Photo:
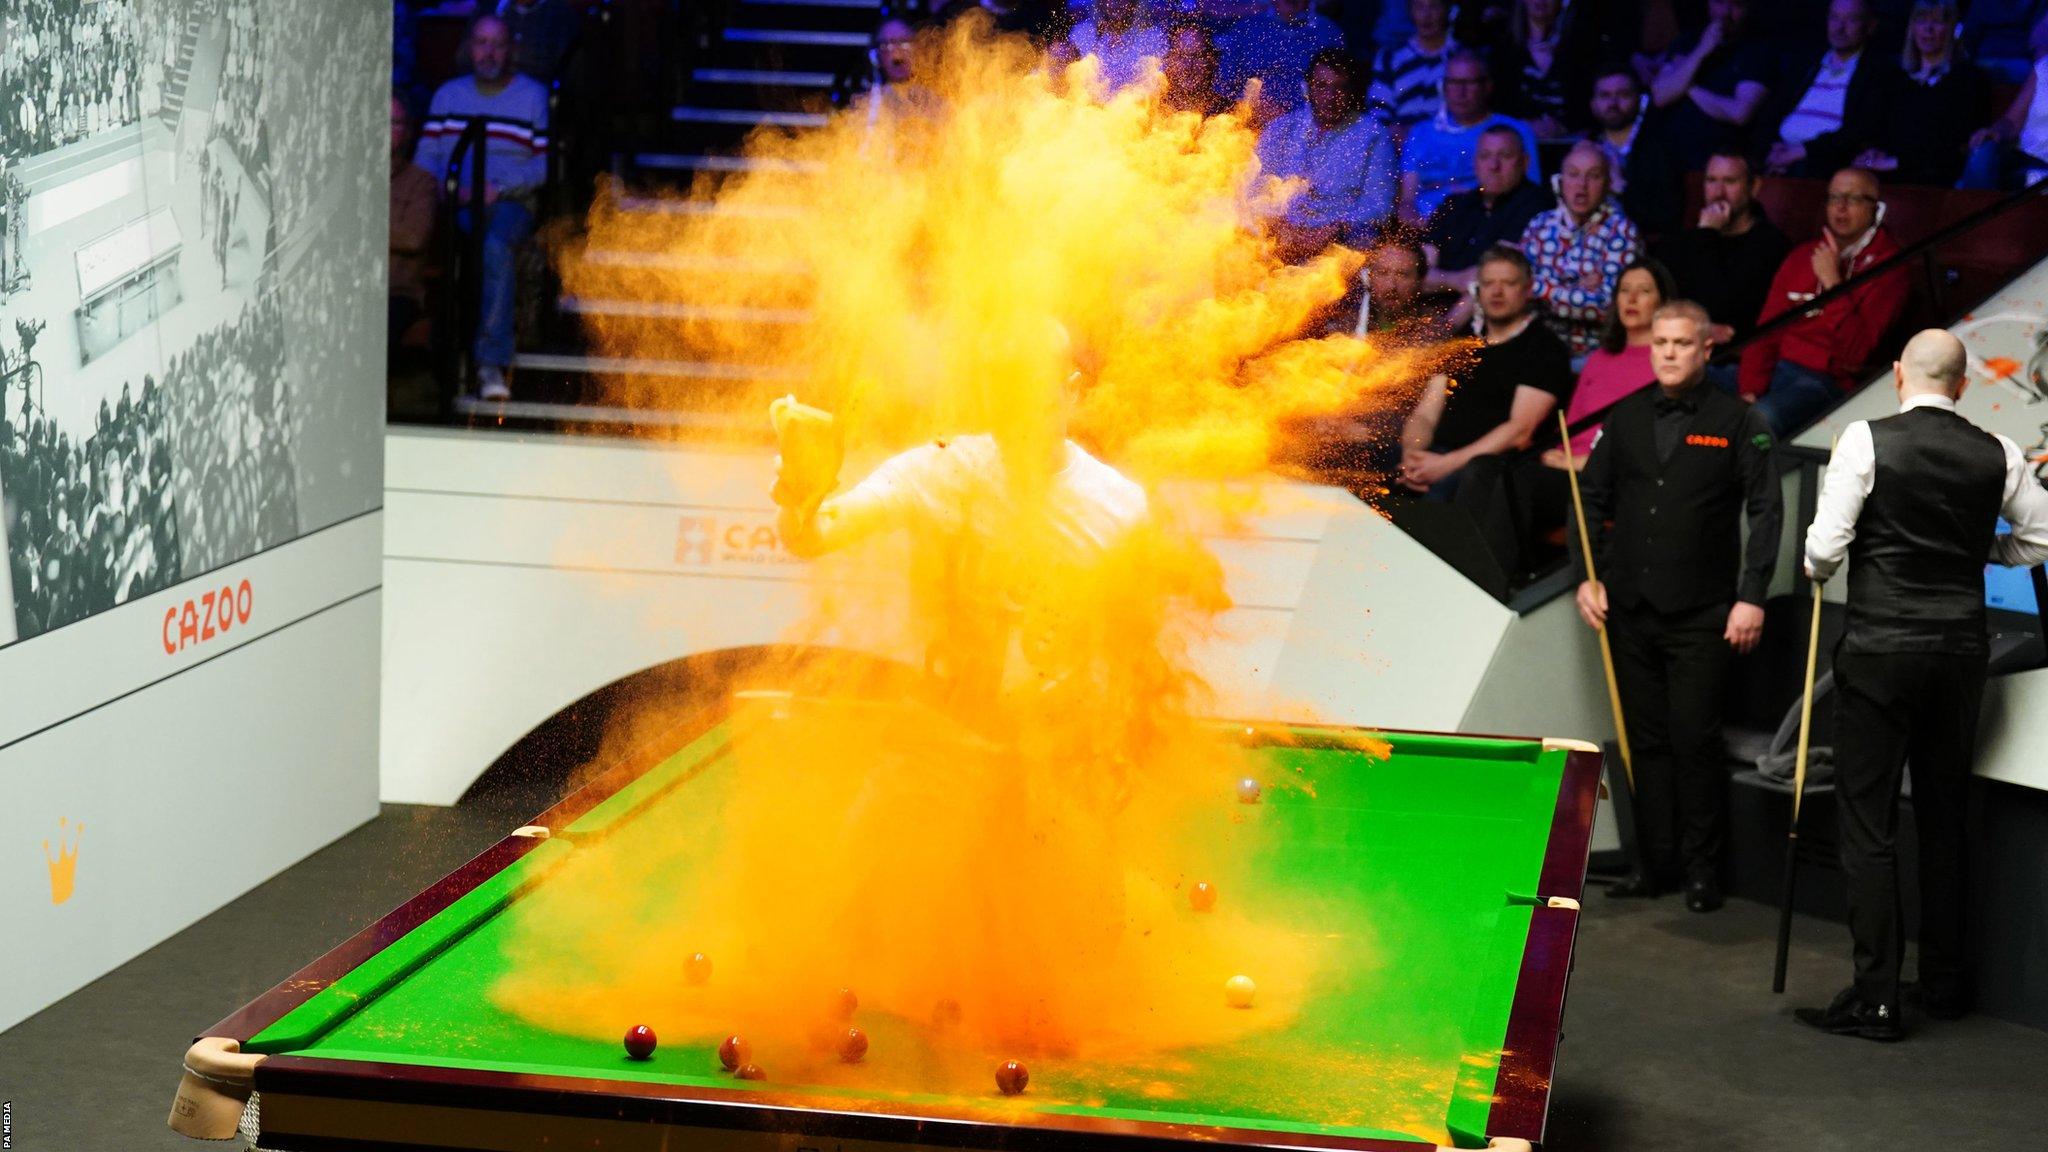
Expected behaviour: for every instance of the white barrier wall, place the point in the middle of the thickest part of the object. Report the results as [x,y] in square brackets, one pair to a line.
[525,572]
[192,323]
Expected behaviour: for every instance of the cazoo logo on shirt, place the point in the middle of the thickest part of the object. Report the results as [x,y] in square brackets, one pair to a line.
[702,540]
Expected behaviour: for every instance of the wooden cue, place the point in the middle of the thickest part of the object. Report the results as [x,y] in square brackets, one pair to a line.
[1571,472]
[1798,794]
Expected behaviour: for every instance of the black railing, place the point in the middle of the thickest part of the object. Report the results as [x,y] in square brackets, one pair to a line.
[462,253]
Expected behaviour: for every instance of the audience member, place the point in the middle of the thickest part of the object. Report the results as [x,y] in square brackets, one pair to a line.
[1394,309]
[1795,372]
[1500,402]
[1190,69]
[515,157]
[1120,40]
[2001,36]
[1579,249]
[1646,178]
[1274,47]
[2012,151]
[1676,474]
[1935,89]
[1828,119]
[1517,514]
[69,70]
[413,193]
[1437,159]
[1498,211]
[544,32]
[1711,85]
[1344,157]
[1408,79]
[1726,261]
[1538,65]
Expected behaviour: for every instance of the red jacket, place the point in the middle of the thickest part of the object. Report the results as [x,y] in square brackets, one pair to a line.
[1841,338]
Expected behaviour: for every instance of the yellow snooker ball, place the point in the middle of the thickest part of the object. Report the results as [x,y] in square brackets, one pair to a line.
[1238,991]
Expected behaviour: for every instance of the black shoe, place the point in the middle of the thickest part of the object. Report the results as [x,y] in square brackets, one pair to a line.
[1703,896]
[1851,1015]
[1949,1005]
[1634,886]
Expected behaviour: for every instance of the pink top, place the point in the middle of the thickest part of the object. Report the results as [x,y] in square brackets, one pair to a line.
[1607,377]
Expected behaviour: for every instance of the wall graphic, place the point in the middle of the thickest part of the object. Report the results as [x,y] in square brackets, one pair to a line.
[191,239]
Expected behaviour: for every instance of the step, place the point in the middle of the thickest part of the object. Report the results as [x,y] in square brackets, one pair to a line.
[557,413]
[669,310]
[869,5]
[690,262]
[686,162]
[763,77]
[683,206]
[637,366]
[750,116]
[804,37]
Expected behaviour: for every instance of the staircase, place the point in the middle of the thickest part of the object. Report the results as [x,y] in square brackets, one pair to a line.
[777,63]
[178,82]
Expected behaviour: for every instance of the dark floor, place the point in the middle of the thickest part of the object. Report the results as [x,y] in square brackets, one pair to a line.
[1672,1039]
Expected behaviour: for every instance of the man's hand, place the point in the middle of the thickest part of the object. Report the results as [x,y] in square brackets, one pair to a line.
[1784,155]
[1593,603]
[1715,214]
[1422,469]
[1745,627]
[1827,267]
[1721,334]
[1994,133]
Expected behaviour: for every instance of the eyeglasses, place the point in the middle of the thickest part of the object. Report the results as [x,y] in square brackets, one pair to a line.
[1835,198]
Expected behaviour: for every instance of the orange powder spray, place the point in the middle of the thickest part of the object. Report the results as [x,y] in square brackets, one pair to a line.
[1007,250]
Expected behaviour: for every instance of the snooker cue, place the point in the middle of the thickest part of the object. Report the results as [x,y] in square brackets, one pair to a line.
[1798,793]
[1606,651]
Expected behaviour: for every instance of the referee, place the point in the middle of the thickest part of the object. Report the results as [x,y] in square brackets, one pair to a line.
[1678,468]
[1913,502]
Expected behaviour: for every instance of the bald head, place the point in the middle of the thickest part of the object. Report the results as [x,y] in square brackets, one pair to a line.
[1933,363]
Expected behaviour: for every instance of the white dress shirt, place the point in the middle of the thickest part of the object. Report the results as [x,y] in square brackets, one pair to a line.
[1852,470]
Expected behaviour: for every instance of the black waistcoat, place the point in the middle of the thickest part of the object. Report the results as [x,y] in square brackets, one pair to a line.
[1916,566]
[1677,539]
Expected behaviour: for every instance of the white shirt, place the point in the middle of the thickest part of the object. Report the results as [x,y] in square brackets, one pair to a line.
[1852,472]
[1826,100]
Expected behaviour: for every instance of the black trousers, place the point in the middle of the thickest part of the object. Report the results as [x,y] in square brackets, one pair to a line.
[1672,669]
[1894,711]
[1515,501]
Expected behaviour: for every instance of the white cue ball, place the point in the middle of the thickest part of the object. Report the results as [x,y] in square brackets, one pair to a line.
[1239,990]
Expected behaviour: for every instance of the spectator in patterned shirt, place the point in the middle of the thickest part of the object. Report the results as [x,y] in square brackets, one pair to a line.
[1274,47]
[1580,248]
[1345,157]
[1827,121]
[1437,159]
[1407,81]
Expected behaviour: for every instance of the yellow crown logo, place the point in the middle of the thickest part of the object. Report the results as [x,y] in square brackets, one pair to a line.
[64,865]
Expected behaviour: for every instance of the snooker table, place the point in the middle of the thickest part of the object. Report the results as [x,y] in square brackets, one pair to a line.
[1461,858]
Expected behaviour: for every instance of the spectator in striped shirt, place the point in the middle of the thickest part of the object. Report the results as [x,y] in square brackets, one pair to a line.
[515,166]
[1407,80]
[1834,115]
[1579,249]
[1437,158]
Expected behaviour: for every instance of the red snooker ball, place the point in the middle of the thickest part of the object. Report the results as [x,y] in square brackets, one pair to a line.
[734,1051]
[640,1042]
[751,1072]
[697,969]
[1012,1077]
[853,1046]
[846,1004]
[1202,897]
